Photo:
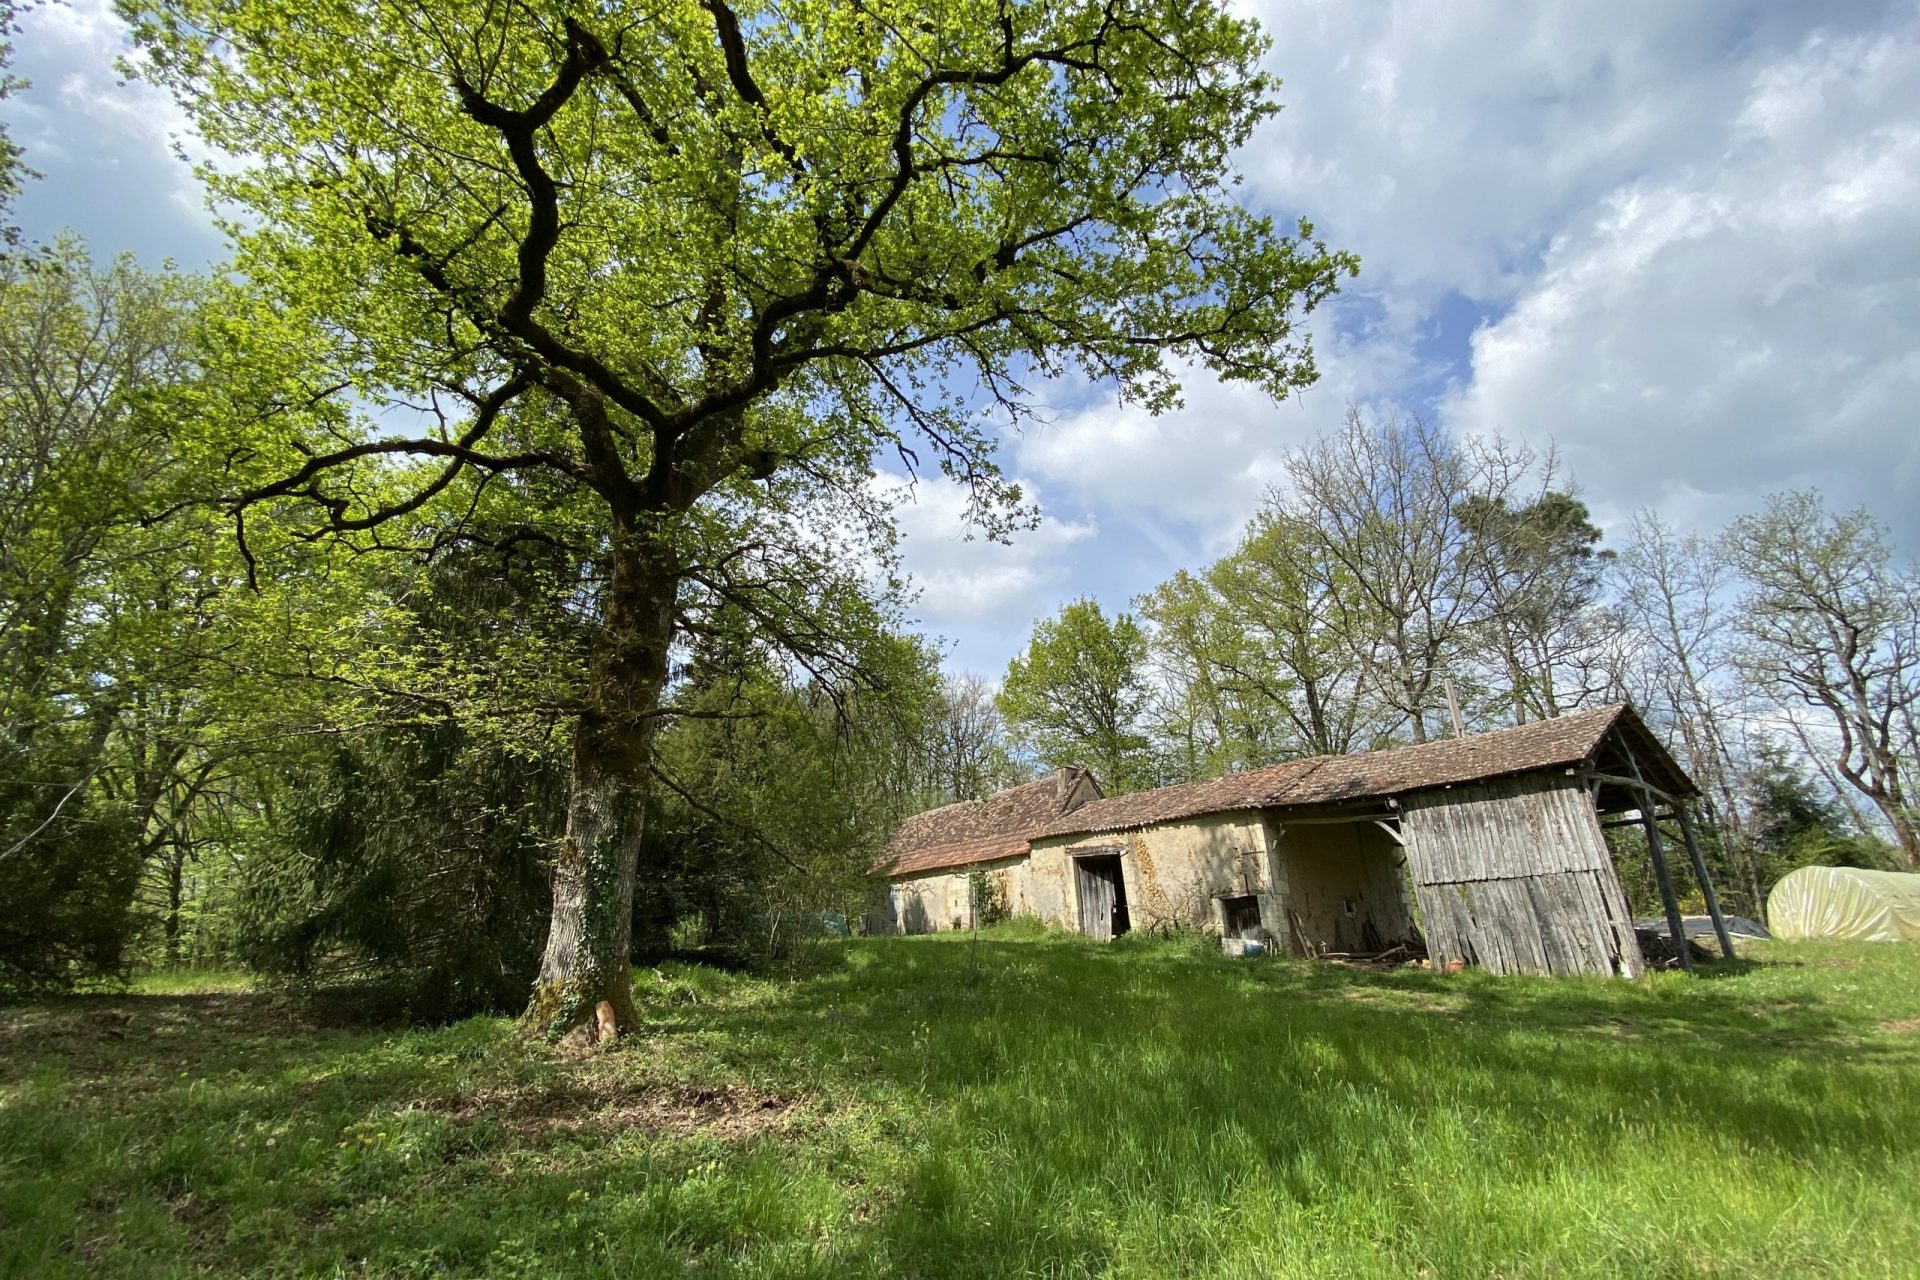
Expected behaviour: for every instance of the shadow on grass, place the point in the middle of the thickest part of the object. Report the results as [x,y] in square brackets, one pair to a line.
[917,1019]
[1152,1076]
[963,1108]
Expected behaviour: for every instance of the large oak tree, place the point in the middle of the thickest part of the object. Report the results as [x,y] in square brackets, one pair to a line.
[692,257]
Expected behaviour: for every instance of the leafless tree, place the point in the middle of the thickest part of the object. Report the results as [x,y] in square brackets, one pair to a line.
[1386,504]
[1827,620]
[1675,594]
[967,748]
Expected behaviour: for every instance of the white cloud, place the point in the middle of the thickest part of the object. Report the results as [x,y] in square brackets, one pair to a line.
[1188,480]
[79,42]
[1188,464]
[967,580]
[1703,335]
[107,147]
[1445,143]
[1691,226]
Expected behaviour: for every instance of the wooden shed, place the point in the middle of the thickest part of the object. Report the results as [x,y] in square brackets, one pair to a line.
[1490,845]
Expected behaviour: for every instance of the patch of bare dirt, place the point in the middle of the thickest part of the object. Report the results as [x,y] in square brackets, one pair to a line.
[730,1112]
[1902,1026]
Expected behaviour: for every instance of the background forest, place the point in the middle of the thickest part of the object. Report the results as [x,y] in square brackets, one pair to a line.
[295,755]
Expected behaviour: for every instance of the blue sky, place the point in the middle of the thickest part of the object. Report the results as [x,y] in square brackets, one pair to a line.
[1679,242]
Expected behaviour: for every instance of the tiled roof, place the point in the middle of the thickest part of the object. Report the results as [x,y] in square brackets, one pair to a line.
[947,857]
[983,830]
[1565,740]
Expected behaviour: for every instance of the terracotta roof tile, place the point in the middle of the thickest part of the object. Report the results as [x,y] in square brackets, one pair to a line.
[1320,780]
[1001,825]
[960,853]
[983,830]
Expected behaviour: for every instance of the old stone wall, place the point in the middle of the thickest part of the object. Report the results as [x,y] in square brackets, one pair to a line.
[943,900]
[1174,872]
[1335,879]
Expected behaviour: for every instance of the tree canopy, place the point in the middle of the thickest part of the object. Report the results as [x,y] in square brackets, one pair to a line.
[687,270]
[486,579]
[1078,693]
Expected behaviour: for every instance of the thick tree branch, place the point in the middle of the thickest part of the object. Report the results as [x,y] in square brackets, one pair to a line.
[746,828]
[733,48]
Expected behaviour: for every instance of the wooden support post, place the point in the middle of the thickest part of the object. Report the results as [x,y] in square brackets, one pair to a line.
[1611,823]
[1658,853]
[1706,881]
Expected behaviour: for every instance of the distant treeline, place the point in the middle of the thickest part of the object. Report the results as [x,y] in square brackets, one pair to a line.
[1398,576]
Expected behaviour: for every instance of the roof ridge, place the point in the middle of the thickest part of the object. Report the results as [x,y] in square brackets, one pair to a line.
[1269,785]
[1010,813]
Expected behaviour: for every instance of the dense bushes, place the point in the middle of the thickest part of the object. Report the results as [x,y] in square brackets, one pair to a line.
[69,865]
[414,863]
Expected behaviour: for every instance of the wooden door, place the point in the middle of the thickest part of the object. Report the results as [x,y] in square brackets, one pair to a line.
[1103,896]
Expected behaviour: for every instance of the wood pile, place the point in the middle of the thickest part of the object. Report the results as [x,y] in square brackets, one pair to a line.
[1656,945]
[1402,955]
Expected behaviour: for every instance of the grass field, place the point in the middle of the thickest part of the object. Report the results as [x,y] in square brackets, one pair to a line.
[1035,1106]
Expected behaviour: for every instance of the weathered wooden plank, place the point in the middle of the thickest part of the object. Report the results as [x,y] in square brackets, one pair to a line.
[1588,907]
[1573,939]
[1096,901]
[1559,943]
[1613,901]
[1588,913]
[1530,944]
[1516,873]
[1443,909]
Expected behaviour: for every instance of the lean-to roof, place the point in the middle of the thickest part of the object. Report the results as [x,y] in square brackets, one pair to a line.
[1330,780]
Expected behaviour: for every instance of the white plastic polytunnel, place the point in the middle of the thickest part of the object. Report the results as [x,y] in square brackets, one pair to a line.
[1845,902]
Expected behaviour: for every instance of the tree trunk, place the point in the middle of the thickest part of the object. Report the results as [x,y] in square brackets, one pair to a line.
[176,894]
[585,987]
[1905,833]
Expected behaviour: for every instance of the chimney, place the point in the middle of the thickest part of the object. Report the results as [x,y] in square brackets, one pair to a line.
[1063,782]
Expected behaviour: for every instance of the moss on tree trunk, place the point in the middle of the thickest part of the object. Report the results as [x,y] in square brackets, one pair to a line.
[584,988]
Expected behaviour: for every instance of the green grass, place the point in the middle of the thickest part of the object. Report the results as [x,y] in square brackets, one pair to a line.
[1043,1107]
[190,982]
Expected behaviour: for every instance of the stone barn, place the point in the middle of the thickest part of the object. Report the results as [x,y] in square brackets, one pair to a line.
[1489,846]
[930,863]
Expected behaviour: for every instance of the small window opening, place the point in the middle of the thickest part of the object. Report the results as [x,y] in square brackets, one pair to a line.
[1240,917]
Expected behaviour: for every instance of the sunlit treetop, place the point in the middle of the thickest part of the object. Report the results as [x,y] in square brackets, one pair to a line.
[725,241]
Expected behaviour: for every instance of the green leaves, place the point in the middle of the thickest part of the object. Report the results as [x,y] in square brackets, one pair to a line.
[110,612]
[656,284]
[754,230]
[1078,692]
[693,266]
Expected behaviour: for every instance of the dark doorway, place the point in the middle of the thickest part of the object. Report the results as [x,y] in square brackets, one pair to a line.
[1240,918]
[1103,896]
